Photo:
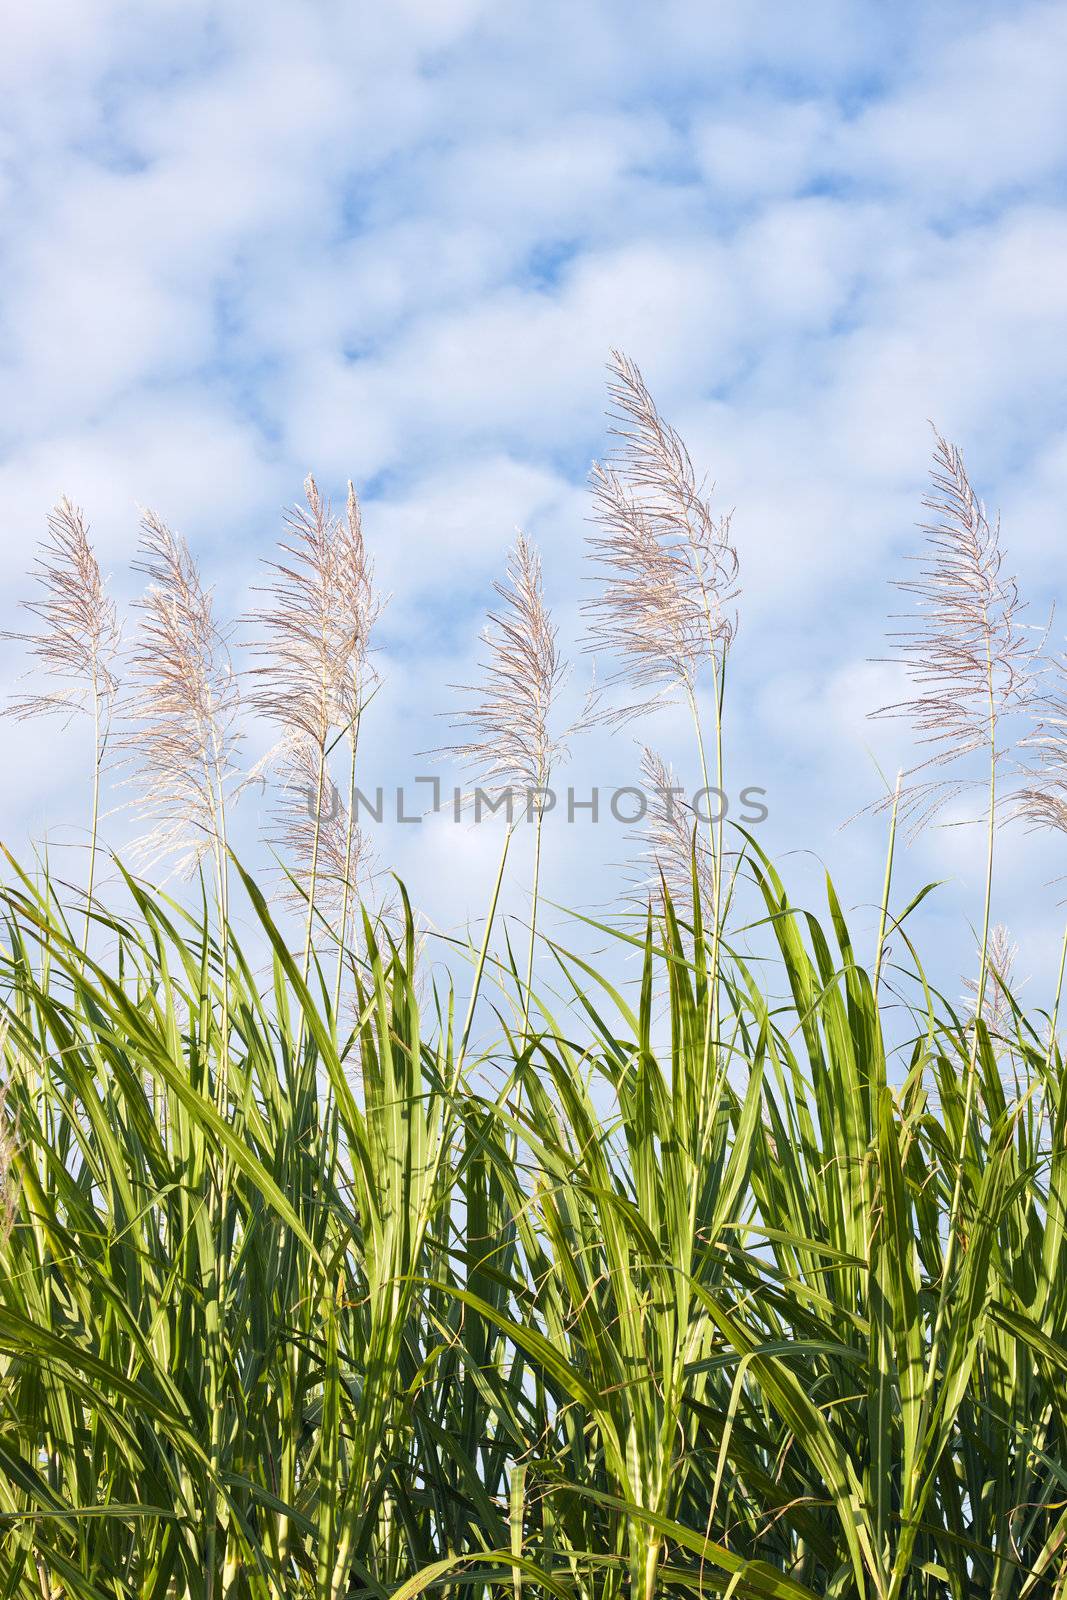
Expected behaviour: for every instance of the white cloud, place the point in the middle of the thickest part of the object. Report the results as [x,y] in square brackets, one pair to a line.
[981,117]
[772,148]
[186,457]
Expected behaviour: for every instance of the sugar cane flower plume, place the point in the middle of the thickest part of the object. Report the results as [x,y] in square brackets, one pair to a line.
[996,1003]
[1042,799]
[966,652]
[77,642]
[506,731]
[315,627]
[76,645]
[183,708]
[313,678]
[669,571]
[674,846]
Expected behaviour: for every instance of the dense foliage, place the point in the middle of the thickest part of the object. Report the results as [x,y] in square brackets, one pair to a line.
[700,1295]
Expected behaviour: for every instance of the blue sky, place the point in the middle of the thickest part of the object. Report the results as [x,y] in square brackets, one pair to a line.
[239,242]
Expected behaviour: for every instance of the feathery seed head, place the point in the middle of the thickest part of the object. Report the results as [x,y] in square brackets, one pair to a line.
[672,839]
[510,740]
[996,1005]
[669,568]
[1042,802]
[967,654]
[184,704]
[78,639]
[316,626]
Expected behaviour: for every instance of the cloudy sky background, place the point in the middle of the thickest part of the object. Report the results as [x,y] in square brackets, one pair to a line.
[396,242]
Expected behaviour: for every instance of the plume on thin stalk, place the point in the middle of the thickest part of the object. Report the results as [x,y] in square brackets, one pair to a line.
[669,570]
[183,708]
[970,663]
[76,644]
[506,733]
[313,679]
[78,640]
[1042,801]
[966,653]
[996,1006]
[316,625]
[506,730]
[672,840]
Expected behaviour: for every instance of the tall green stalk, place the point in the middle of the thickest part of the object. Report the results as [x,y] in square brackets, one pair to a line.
[887,885]
[346,892]
[527,990]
